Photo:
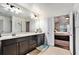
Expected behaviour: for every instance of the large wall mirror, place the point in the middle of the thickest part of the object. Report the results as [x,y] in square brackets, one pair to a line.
[14,21]
[5,23]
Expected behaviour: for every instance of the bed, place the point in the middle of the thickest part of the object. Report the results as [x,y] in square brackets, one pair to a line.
[62,40]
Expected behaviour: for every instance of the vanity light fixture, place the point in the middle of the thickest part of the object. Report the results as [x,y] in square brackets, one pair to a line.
[12,8]
[34,16]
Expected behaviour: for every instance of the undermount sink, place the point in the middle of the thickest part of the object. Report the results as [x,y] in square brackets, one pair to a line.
[13,34]
[6,35]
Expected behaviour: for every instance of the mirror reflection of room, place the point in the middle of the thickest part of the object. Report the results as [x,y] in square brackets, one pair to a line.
[13,23]
[61,31]
[5,23]
[61,23]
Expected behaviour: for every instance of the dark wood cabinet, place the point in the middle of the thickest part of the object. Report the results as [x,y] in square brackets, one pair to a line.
[41,38]
[0,48]
[11,49]
[22,45]
[32,42]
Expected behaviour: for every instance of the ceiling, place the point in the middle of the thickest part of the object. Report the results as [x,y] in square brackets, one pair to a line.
[50,9]
[5,12]
[44,9]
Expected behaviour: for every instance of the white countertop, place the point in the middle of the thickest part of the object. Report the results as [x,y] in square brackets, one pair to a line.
[18,35]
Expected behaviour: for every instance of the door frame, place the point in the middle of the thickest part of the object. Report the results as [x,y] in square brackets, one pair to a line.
[54,33]
[28,26]
[74,34]
[72,15]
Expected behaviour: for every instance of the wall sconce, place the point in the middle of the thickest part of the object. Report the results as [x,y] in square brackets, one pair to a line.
[34,16]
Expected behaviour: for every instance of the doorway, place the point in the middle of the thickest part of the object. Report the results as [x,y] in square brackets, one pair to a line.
[27,26]
[61,31]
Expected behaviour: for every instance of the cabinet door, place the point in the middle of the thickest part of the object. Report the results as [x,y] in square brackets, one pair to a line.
[23,47]
[10,49]
[32,47]
[0,49]
[40,39]
[32,42]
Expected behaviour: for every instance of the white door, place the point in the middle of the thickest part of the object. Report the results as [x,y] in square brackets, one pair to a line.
[77,31]
[50,31]
[71,32]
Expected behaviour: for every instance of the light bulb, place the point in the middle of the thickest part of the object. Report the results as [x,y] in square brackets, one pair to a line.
[67,18]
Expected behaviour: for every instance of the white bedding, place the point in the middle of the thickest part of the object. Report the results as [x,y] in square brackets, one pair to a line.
[62,33]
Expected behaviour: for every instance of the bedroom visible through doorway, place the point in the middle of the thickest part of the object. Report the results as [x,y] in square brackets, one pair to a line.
[61,31]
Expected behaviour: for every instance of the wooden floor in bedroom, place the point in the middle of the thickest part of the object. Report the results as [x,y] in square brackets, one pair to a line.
[55,51]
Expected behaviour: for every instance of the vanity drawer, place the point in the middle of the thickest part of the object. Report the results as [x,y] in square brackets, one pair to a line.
[8,42]
[21,39]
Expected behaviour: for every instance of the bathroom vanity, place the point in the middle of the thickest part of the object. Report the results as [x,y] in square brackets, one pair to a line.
[20,44]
